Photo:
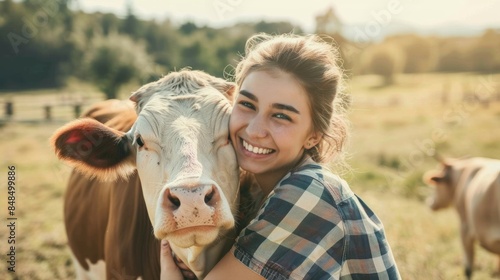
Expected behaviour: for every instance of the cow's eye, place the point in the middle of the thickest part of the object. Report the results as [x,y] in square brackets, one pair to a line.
[139,141]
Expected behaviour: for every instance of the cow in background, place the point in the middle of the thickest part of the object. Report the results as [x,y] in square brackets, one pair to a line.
[174,174]
[472,186]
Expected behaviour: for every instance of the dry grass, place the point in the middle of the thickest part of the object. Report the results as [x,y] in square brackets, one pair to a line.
[41,247]
[387,164]
[395,129]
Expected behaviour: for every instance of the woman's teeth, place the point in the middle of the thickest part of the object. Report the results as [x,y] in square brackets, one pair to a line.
[255,150]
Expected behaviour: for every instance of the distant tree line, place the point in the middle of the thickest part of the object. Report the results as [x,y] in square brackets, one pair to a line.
[416,54]
[43,43]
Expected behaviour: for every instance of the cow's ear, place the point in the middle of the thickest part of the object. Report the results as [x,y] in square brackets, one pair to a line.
[94,149]
[140,96]
[228,89]
[437,179]
[432,177]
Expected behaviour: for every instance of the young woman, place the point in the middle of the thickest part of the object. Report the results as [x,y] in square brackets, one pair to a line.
[287,120]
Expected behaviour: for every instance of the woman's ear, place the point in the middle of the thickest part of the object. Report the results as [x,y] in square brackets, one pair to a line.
[313,140]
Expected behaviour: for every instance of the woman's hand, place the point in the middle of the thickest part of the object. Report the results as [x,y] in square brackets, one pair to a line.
[172,269]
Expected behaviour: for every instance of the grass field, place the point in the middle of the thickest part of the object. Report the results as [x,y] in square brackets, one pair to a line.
[394,130]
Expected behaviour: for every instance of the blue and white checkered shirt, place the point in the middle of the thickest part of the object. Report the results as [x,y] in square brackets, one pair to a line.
[312,226]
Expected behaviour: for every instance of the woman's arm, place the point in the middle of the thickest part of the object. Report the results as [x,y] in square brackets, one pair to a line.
[230,268]
[227,268]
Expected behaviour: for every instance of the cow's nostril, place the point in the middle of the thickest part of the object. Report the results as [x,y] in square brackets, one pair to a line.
[209,195]
[174,199]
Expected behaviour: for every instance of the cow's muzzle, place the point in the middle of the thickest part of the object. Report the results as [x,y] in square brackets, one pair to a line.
[192,206]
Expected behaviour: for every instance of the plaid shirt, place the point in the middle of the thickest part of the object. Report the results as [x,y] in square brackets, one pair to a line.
[312,226]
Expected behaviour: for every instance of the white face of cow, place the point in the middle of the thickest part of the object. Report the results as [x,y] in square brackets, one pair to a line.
[180,147]
[187,165]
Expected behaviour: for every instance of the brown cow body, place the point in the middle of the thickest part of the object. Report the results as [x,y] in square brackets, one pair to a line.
[110,218]
[472,186]
[183,188]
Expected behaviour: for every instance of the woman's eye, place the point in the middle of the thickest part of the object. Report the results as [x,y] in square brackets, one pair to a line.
[283,116]
[139,141]
[247,104]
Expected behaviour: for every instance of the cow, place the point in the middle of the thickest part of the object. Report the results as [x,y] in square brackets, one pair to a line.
[165,170]
[472,186]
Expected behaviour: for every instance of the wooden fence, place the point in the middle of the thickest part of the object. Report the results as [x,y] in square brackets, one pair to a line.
[37,109]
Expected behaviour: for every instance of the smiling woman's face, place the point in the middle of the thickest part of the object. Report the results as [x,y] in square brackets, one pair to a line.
[271,123]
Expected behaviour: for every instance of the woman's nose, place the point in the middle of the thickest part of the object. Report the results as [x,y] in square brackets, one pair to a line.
[257,127]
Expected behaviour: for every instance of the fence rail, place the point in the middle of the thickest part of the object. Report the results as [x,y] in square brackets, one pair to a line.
[40,109]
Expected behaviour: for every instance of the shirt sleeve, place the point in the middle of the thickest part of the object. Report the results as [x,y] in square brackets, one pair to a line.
[297,234]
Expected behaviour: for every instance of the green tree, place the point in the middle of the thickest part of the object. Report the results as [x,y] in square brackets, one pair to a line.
[163,43]
[45,42]
[484,54]
[131,25]
[385,60]
[188,28]
[116,60]
[276,27]
[110,23]
[421,54]
[36,50]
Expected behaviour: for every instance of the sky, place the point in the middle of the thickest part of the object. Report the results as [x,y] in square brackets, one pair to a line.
[218,13]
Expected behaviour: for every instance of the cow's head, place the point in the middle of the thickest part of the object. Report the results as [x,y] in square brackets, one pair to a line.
[180,147]
[444,182]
